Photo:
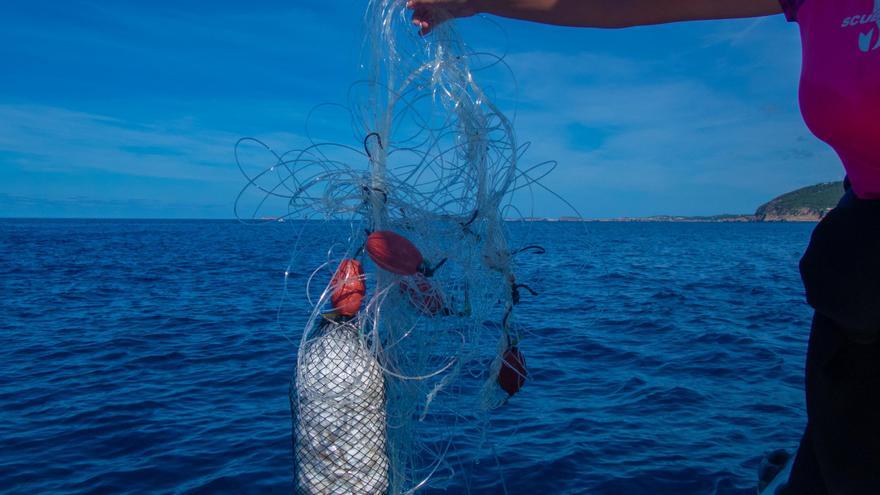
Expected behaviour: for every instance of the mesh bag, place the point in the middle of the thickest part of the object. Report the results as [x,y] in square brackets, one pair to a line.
[339,418]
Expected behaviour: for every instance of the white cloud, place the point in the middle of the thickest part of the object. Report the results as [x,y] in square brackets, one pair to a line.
[56,139]
[661,133]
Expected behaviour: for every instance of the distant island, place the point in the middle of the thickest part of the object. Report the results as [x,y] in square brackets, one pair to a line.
[808,204]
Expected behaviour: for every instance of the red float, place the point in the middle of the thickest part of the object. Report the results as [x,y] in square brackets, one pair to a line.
[513,374]
[394,253]
[348,288]
[422,295]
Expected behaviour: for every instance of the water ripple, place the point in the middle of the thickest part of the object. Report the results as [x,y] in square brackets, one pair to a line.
[145,357]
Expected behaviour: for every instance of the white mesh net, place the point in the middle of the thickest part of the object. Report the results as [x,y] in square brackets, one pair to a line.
[381,396]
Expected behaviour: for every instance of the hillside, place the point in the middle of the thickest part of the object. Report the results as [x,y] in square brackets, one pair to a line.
[808,204]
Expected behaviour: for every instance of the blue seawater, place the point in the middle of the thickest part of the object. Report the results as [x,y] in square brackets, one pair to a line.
[148,357]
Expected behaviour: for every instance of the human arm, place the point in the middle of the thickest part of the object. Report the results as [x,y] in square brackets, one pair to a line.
[591,13]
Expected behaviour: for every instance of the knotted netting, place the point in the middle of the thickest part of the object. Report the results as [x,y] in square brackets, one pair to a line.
[339,413]
[414,339]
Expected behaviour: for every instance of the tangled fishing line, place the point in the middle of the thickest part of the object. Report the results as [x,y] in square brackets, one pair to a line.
[415,333]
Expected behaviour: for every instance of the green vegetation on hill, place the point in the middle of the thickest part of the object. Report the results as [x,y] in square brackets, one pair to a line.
[808,202]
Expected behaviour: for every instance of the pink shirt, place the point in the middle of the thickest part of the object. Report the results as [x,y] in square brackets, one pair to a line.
[840,82]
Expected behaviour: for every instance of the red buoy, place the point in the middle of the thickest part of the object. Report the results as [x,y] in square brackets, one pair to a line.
[348,288]
[512,376]
[422,295]
[394,253]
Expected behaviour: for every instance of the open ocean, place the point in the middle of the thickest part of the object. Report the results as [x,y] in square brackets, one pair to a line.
[148,357]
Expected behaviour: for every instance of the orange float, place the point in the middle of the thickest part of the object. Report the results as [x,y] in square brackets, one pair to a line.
[513,374]
[394,253]
[348,288]
[422,295]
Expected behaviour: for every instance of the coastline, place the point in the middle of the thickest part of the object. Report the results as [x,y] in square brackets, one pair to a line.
[803,218]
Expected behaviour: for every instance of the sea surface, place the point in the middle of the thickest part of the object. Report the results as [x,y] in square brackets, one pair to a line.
[149,357]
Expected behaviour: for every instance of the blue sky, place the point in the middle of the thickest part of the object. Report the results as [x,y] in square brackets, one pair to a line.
[132,109]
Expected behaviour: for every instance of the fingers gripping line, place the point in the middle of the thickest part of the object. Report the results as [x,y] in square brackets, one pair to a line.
[428,14]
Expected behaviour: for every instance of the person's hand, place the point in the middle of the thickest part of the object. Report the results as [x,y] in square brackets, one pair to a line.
[428,14]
